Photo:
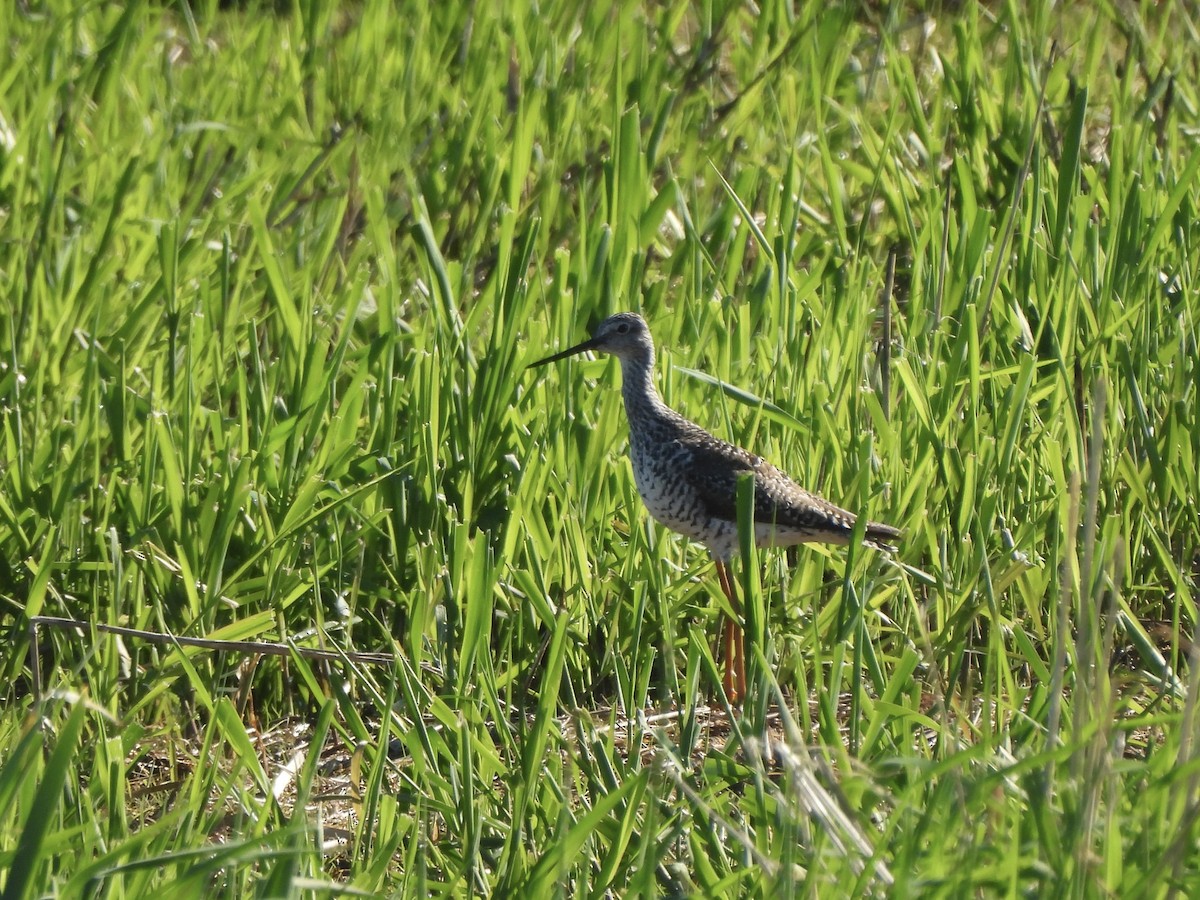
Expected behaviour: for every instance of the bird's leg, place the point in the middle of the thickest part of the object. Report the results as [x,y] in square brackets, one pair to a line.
[727,677]
[735,649]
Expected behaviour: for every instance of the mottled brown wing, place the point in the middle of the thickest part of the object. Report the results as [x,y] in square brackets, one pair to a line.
[713,474]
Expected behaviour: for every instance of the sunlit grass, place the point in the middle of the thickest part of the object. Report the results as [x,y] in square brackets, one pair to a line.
[273,279]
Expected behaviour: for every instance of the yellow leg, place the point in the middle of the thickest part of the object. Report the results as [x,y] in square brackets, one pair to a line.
[735,648]
[728,680]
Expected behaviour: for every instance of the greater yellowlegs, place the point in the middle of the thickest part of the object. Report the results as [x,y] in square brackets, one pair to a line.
[688,478]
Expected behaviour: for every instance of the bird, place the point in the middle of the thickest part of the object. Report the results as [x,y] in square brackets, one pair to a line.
[688,479]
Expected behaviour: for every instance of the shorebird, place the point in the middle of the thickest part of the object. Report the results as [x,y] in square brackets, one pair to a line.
[688,479]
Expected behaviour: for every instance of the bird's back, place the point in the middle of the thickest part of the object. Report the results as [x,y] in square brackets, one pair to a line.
[688,479]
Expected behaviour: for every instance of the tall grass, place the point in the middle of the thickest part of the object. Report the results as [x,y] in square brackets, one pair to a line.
[272,277]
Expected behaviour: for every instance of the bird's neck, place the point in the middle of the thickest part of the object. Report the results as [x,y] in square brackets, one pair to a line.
[637,388]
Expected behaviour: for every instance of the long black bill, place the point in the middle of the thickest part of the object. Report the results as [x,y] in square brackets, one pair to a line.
[578,348]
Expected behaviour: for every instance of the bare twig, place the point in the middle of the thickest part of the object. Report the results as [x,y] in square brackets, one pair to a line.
[263,648]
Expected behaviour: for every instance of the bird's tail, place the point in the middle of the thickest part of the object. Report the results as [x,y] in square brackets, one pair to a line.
[884,537]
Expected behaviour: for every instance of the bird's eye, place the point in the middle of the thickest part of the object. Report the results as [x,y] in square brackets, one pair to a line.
[623,328]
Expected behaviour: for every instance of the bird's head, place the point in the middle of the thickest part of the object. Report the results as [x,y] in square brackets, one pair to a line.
[625,335]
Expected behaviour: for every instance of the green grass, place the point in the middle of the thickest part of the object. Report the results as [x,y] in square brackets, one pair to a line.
[271,280]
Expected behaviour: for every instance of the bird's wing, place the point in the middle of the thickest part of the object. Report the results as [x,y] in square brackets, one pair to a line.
[713,471]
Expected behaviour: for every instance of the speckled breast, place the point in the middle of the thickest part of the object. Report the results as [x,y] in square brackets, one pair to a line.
[667,495]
